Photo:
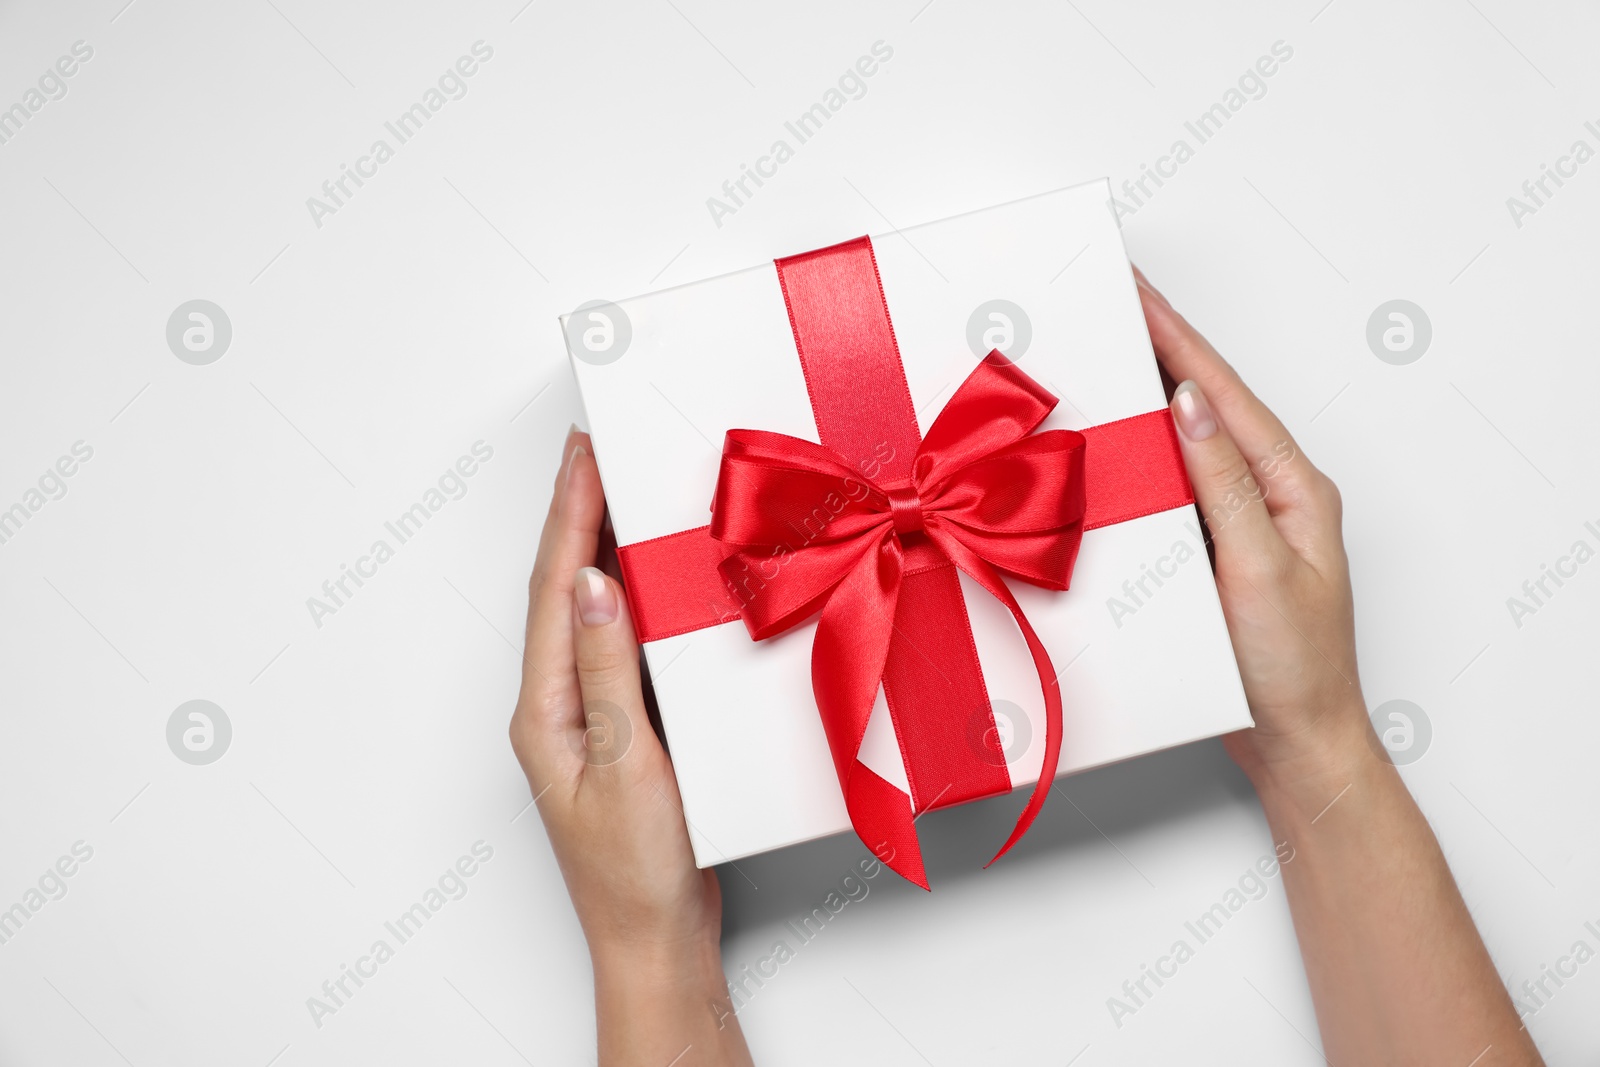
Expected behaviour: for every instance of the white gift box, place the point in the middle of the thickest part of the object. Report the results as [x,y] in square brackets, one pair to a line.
[1139,640]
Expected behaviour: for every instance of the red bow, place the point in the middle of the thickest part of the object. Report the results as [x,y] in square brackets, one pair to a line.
[808,530]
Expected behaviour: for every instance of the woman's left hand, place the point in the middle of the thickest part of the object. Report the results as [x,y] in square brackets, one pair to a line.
[609,801]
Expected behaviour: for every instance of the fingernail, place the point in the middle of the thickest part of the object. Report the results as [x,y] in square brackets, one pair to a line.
[1192,413]
[1144,283]
[572,460]
[597,604]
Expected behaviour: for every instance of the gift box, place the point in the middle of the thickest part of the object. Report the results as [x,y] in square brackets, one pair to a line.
[903,524]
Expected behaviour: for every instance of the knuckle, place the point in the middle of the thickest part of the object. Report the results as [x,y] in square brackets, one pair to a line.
[1328,494]
[1229,471]
[521,733]
[604,668]
[1283,461]
[550,705]
[1230,492]
[539,704]
[517,731]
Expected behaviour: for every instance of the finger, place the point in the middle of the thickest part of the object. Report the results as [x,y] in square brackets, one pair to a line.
[616,726]
[1261,437]
[1229,495]
[540,564]
[571,543]
[550,682]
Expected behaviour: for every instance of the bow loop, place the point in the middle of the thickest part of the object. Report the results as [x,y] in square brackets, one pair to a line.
[1033,486]
[995,406]
[776,490]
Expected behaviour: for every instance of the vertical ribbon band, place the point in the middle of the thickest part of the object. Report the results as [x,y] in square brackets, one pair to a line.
[932,680]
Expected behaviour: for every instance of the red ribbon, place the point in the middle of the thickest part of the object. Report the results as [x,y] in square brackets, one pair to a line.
[870,527]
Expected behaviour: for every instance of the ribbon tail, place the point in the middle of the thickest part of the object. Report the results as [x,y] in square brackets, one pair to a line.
[975,567]
[881,815]
[847,661]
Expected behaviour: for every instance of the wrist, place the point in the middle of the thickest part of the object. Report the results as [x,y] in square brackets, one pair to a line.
[654,1000]
[692,964]
[1311,765]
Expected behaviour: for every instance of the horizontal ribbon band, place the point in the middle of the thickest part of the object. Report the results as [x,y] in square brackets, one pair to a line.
[1131,468]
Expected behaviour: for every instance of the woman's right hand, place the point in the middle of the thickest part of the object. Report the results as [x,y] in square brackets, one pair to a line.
[1274,520]
[1397,971]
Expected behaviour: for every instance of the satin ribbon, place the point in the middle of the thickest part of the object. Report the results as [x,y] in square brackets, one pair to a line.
[986,495]
[869,528]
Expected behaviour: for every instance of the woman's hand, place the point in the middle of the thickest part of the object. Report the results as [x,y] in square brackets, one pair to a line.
[1397,970]
[1280,562]
[606,793]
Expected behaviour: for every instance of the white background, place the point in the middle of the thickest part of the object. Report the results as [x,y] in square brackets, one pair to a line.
[372,351]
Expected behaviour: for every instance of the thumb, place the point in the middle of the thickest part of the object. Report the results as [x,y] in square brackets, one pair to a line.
[607,657]
[1231,498]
